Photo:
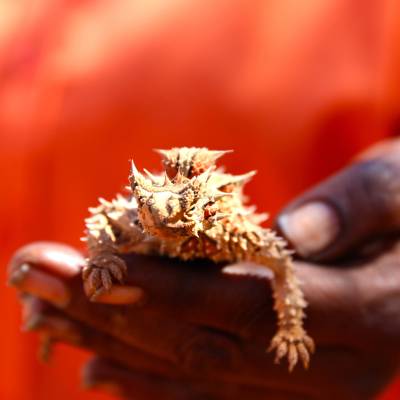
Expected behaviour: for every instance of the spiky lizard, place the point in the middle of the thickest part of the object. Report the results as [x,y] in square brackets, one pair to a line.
[194,210]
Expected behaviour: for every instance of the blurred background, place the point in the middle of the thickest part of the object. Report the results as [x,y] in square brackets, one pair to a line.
[295,88]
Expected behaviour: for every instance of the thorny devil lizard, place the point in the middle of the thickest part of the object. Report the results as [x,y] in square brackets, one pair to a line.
[194,210]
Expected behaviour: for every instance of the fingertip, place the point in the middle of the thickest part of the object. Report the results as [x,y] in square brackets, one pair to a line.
[54,257]
[310,228]
[33,281]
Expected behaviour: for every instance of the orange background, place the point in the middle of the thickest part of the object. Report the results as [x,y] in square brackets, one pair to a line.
[295,88]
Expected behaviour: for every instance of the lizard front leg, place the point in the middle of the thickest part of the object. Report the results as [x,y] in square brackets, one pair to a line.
[111,230]
[100,270]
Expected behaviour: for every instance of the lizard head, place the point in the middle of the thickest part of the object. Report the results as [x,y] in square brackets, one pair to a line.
[189,161]
[170,208]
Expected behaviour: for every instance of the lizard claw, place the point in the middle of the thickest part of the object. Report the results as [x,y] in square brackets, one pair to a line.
[100,271]
[294,345]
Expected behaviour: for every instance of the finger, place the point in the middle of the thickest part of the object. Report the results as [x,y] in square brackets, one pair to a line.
[43,269]
[104,375]
[42,318]
[358,203]
[42,284]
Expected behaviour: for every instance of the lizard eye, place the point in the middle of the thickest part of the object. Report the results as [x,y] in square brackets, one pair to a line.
[150,202]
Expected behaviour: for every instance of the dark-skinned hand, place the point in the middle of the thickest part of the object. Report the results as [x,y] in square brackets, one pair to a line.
[200,331]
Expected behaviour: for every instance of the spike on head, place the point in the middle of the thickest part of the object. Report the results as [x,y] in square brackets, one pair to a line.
[245,177]
[189,161]
[138,180]
[169,160]
[134,171]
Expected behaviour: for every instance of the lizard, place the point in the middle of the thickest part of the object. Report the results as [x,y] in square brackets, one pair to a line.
[194,210]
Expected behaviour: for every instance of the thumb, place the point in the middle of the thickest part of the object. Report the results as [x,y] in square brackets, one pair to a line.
[358,203]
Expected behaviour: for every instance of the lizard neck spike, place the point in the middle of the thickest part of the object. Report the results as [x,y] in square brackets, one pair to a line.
[178,178]
[139,182]
[217,194]
[242,179]
[137,179]
[216,154]
[204,176]
[167,181]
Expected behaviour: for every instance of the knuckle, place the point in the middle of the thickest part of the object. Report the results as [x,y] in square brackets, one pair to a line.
[207,352]
[380,173]
[378,181]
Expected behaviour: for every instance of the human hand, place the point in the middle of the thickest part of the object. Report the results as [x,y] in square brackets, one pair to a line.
[201,331]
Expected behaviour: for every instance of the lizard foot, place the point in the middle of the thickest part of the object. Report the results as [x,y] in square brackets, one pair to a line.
[99,271]
[293,344]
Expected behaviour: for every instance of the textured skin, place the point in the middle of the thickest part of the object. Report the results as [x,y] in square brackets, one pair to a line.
[194,210]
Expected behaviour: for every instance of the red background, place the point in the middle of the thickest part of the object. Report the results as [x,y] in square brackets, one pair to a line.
[295,88]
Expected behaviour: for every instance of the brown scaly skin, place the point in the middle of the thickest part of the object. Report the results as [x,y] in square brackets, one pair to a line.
[194,211]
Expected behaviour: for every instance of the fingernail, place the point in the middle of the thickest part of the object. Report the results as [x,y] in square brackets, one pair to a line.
[122,295]
[248,269]
[310,228]
[66,263]
[55,327]
[41,284]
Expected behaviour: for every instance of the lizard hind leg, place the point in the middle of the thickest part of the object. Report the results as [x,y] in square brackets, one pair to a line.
[291,340]
[99,272]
